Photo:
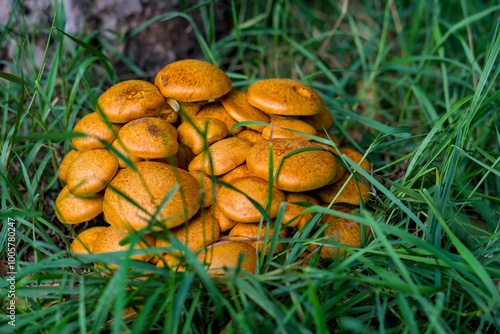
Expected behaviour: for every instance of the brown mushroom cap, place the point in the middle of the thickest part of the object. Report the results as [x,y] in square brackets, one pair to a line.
[217,111]
[342,230]
[321,121]
[96,130]
[148,188]
[149,138]
[226,154]
[225,222]
[206,185]
[303,171]
[293,213]
[192,80]
[189,133]
[249,234]
[84,241]
[239,208]
[251,135]
[66,162]
[132,99]
[227,254]
[71,209]
[279,127]
[284,97]
[109,241]
[238,172]
[200,231]
[91,171]
[237,106]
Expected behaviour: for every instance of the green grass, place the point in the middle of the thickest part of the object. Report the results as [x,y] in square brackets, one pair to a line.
[413,84]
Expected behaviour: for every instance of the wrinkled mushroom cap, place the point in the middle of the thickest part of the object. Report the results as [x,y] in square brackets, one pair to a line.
[239,208]
[71,209]
[284,97]
[91,171]
[281,125]
[237,106]
[200,231]
[303,171]
[84,241]
[66,162]
[192,80]
[109,241]
[227,255]
[226,154]
[217,111]
[148,187]
[95,130]
[202,131]
[132,99]
[149,138]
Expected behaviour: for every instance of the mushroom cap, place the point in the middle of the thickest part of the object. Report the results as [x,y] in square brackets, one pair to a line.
[66,162]
[251,135]
[148,188]
[124,151]
[192,80]
[149,138]
[217,111]
[129,100]
[226,154]
[356,157]
[173,261]
[190,109]
[206,185]
[284,97]
[189,133]
[225,222]
[227,255]
[109,241]
[198,232]
[237,106]
[295,210]
[342,230]
[239,208]
[303,171]
[84,241]
[321,121]
[330,136]
[91,171]
[245,231]
[71,209]
[168,115]
[96,131]
[279,127]
[238,172]
[183,156]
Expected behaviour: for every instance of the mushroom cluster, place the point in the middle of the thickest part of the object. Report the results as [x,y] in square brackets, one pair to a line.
[175,159]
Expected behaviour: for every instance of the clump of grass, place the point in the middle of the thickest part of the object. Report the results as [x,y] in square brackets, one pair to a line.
[415,86]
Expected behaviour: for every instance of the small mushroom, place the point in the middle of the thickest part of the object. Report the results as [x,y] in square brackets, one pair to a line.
[120,148]
[237,106]
[84,241]
[239,208]
[91,171]
[227,255]
[96,132]
[251,135]
[217,111]
[72,209]
[321,121]
[132,99]
[249,234]
[225,222]
[206,186]
[285,97]
[66,162]
[280,127]
[202,131]
[293,216]
[238,172]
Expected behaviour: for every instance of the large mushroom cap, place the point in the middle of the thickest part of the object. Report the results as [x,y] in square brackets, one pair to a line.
[66,162]
[239,208]
[148,188]
[132,99]
[303,171]
[227,255]
[284,97]
[149,138]
[192,80]
[71,209]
